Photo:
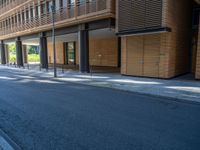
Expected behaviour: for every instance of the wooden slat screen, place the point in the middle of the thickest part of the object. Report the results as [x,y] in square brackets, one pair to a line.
[22,22]
[139,14]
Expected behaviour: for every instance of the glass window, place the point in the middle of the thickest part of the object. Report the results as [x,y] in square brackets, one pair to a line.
[31,12]
[71,2]
[64,3]
[27,14]
[70,53]
[48,7]
[23,16]
[195,20]
[57,5]
[61,3]
[42,7]
[36,10]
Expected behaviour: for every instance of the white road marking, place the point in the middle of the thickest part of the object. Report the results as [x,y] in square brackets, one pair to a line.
[4,145]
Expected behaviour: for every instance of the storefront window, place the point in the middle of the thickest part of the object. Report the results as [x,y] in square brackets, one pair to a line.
[70,53]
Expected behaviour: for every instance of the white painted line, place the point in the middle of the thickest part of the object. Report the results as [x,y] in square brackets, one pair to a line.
[4,145]
[7,143]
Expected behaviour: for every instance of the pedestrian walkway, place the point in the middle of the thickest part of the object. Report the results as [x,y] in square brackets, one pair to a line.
[178,89]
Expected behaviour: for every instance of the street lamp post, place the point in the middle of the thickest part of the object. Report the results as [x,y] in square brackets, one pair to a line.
[53,39]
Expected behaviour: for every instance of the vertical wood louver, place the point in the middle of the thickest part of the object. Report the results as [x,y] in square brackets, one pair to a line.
[139,14]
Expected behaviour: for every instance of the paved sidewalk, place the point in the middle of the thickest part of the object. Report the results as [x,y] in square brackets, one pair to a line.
[179,89]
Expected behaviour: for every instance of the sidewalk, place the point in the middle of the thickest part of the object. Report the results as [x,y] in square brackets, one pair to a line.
[178,89]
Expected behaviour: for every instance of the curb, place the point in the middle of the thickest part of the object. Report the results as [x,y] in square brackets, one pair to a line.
[139,93]
[9,140]
[110,86]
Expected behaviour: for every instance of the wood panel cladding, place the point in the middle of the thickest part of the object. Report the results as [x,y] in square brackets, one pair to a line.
[173,47]
[136,15]
[197,75]
[143,55]
[59,52]
[103,52]
[178,17]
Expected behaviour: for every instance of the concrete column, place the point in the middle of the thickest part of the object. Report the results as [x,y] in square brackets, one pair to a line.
[7,54]
[119,52]
[83,37]
[25,55]
[43,51]
[3,53]
[19,52]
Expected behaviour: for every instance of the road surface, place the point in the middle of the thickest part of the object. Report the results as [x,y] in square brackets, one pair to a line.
[42,114]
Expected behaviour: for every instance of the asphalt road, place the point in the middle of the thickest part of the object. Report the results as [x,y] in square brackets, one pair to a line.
[42,114]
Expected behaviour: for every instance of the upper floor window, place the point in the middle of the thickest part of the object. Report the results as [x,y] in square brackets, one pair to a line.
[48,7]
[16,18]
[23,16]
[19,18]
[57,6]
[65,3]
[71,2]
[82,2]
[42,8]
[27,14]
[13,20]
[195,18]
[37,11]
[61,3]
[31,12]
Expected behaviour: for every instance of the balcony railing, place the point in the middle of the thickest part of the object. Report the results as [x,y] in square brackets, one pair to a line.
[11,5]
[72,12]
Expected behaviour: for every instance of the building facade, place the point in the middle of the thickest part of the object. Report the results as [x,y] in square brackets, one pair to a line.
[151,38]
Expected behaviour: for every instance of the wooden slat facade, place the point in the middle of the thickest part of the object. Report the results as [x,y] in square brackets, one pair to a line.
[162,54]
[102,52]
[136,15]
[35,16]
[198,57]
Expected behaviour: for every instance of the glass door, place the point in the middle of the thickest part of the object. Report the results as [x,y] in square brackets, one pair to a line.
[70,53]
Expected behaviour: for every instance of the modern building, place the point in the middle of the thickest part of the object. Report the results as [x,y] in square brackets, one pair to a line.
[151,38]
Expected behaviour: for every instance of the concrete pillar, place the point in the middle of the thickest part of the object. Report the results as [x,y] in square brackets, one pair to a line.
[7,54]
[25,55]
[119,52]
[19,52]
[43,51]
[83,37]
[3,53]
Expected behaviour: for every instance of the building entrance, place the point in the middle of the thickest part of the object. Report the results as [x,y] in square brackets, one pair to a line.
[70,53]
